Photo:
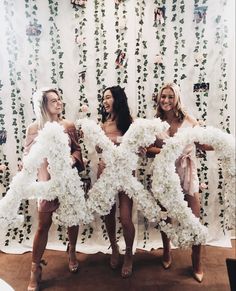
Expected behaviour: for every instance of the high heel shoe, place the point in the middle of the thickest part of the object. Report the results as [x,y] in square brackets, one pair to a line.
[73,267]
[166,260]
[166,264]
[35,276]
[115,257]
[198,277]
[127,267]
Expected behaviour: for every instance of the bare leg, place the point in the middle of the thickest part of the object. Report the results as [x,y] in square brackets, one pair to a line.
[39,245]
[194,204]
[72,235]
[41,236]
[126,205]
[110,222]
[166,257]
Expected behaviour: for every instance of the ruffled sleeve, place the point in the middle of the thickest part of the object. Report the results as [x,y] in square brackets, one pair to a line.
[75,148]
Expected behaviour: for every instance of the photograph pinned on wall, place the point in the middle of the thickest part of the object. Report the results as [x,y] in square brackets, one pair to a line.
[200,14]
[3,136]
[201,87]
[34,29]
[159,15]
[121,59]
[80,3]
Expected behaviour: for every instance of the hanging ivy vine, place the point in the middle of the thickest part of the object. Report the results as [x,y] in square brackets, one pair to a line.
[33,32]
[178,9]
[4,171]
[221,38]
[82,49]
[56,50]
[159,64]
[200,53]
[122,45]
[221,42]
[101,50]
[82,68]
[18,120]
[141,60]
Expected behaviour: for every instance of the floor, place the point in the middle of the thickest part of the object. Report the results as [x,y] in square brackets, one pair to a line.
[148,274]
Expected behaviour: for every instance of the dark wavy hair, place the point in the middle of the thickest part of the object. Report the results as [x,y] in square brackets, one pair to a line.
[120,108]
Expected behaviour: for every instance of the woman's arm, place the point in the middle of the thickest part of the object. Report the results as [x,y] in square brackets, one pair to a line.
[152,151]
[204,147]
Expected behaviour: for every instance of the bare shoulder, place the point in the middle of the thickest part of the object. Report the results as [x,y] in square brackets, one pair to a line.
[67,123]
[32,128]
[190,119]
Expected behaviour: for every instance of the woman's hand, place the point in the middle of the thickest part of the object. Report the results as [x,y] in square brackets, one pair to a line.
[142,152]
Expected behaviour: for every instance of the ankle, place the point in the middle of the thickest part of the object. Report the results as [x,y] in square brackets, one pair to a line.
[127,267]
[71,248]
[35,267]
[129,251]
[114,246]
[166,254]
[35,276]
[196,263]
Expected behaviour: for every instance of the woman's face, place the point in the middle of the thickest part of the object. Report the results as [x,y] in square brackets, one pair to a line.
[54,103]
[108,101]
[167,99]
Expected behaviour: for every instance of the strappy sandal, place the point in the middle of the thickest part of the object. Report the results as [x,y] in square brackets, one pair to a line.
[36,276]
[127,267]
[115,257]
[73,267]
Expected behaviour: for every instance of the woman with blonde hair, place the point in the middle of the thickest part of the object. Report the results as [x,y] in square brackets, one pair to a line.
[170,109]
[48,107]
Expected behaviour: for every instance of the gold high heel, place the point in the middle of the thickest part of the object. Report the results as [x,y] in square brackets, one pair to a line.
[115,257]
[198,277]
[73,268]
[35,276]
[166,264]
[127,268]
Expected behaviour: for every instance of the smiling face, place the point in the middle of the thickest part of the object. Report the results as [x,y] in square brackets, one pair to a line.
[108,101]
[54,104]
[168,100]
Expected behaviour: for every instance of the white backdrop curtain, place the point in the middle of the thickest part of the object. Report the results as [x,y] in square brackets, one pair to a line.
[74,40]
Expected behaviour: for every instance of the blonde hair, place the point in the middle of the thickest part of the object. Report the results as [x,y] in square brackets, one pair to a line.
[40,102]
[179,111]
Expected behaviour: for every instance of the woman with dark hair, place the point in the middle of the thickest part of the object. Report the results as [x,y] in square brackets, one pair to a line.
[170,109]
[48,107]
[116,120]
